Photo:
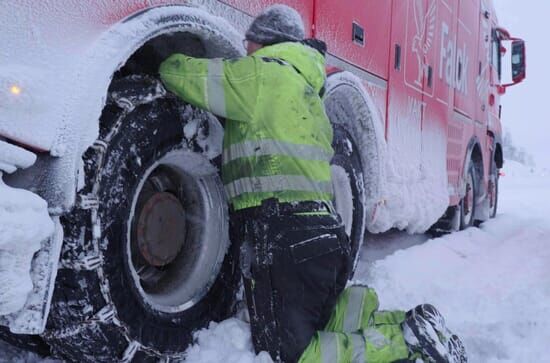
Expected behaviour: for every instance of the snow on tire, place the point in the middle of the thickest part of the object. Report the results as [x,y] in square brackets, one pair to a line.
[493,189]
[146,258]
[347,174]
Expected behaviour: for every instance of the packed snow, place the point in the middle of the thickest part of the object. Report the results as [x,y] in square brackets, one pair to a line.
[492,284]
[25,223]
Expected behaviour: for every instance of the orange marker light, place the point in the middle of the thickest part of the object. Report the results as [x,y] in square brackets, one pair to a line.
[15,90]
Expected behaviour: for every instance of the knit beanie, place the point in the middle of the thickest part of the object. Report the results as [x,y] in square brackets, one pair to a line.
[276,24]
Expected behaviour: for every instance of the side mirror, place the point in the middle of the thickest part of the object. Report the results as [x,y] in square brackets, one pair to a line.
[513,60]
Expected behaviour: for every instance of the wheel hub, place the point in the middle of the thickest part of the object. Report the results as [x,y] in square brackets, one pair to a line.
[161,229]
[177,235]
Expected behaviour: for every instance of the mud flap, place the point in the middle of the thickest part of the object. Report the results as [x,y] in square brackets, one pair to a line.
[32,318]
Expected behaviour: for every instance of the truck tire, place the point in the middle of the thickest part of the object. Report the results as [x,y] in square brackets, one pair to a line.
[468,202]
[32,343]
[347,174]
[146,258]
[493,190]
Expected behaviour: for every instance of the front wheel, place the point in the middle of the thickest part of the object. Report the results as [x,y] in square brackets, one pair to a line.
[146,258]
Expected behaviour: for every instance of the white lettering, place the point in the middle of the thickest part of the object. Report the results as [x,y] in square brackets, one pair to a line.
[415,109]
[443,52]
[454,63]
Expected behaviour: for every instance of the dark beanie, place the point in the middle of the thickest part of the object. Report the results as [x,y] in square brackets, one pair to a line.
[276,24]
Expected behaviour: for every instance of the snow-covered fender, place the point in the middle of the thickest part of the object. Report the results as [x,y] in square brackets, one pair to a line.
[347,102]
[55,175]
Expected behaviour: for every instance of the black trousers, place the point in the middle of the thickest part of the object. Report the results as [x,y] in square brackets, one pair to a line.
[294,267]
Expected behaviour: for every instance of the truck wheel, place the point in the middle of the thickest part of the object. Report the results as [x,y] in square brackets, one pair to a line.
[347,174]
[467,204]
[493,190]
[146,258]
[32,343]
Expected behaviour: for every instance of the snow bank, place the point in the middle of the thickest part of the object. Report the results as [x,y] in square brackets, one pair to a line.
[228,342]
[514,169]
[25,223]
[491,284]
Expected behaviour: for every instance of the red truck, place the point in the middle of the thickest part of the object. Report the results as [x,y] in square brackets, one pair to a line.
[413,93]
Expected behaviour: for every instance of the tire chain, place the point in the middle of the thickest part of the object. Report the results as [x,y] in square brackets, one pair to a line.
[94,261]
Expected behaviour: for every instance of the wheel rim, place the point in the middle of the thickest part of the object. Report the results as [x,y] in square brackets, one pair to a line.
[169,250]
[468,201]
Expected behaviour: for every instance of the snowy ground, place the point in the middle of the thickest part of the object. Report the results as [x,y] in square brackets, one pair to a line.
[492,283]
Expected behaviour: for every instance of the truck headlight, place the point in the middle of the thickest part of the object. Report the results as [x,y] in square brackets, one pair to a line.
[22,90]
[15,90]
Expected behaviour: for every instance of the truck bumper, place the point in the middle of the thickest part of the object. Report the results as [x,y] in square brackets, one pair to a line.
[34,315]
[30,246]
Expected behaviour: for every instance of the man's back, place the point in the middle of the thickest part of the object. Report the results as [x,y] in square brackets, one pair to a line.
[277,141]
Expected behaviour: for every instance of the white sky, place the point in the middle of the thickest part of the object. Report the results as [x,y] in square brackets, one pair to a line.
[525,110]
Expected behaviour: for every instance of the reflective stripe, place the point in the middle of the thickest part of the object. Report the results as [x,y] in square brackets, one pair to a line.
[276,183]
[358,345]
[274,147]
[329,347]
[377,339]
[354,310]
[214,89]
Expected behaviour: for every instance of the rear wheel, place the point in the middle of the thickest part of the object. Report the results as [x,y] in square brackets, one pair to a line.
[146,258]
[467,204]
[493,190]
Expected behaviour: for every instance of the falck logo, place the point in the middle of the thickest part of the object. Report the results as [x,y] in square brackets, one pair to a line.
[424,38]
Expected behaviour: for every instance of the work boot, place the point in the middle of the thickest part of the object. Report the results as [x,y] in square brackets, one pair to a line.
[457,350]
[426,333]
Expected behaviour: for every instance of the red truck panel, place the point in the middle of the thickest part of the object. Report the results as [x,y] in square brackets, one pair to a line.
[406,74]
[465,52]
[437,133]
[334,21]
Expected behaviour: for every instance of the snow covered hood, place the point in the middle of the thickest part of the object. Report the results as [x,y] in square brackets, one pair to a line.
[51,52]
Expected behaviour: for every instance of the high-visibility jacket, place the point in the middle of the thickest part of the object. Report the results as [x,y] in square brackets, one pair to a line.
[277,141]
[358,333]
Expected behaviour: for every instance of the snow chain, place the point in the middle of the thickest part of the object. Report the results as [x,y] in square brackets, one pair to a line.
[94,261]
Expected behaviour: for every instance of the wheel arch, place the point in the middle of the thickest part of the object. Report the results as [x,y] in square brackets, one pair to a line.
[154,33]
[499,156]
[118,50]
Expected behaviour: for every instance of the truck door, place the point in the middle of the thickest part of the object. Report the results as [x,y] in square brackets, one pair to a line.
[441,141]
[466,65]
[486,99]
